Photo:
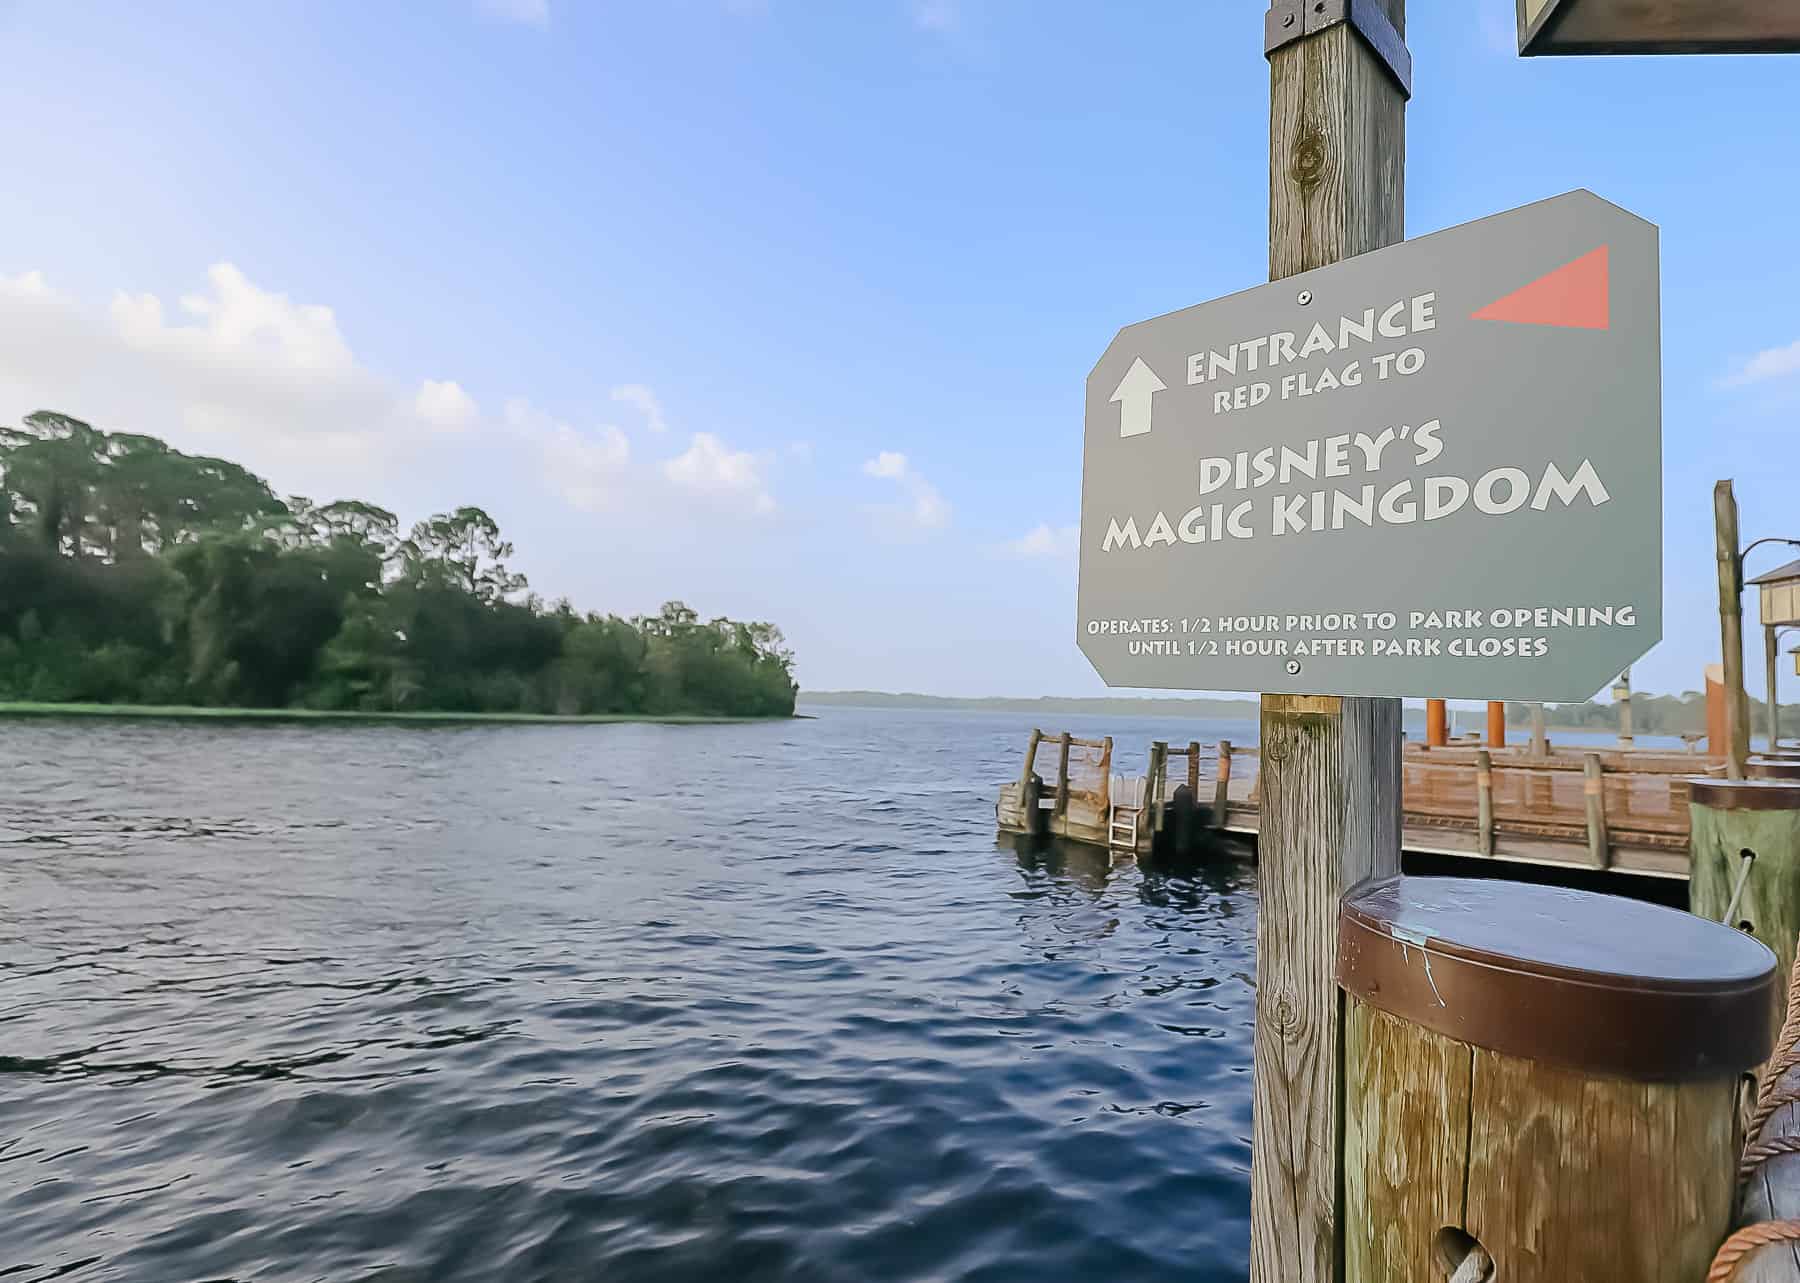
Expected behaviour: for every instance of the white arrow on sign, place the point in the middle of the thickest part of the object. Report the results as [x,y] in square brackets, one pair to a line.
[1133,393]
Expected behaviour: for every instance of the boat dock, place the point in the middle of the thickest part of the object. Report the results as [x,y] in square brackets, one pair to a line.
[1624,810]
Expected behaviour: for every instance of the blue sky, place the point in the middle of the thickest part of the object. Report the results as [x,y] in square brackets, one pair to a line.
[784,307]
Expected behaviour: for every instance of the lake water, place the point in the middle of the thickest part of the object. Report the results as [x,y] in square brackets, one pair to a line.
[614,1002]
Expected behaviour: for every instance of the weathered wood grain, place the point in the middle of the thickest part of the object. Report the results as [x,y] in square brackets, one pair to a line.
[1731,628]
[1330,819]
[1770,904]
[1593,790]
[1337,150]
[1330,779]
[1573,1177]
[1406,1138]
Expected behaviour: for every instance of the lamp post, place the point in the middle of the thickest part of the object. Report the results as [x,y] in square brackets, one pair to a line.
[1779,593]
[1771,657]
[1731,622]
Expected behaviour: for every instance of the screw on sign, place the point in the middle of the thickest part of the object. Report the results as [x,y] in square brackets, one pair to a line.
[1432,469]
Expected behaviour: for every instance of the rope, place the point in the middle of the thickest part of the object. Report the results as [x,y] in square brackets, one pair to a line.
[1747,1241]
[1771,1096]
[1761,1152]
[1737,892]
[1783,1058]
[1476,1267]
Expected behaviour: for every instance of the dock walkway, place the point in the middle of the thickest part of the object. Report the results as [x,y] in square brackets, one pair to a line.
[1621,810]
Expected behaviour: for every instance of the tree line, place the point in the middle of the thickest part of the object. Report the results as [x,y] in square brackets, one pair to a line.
[1650,714]
[131,572]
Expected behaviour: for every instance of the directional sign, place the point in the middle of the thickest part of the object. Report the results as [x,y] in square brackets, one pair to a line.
[1435,469]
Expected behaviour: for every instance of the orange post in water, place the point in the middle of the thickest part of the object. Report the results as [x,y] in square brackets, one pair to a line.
[1496,736]
[1437,729]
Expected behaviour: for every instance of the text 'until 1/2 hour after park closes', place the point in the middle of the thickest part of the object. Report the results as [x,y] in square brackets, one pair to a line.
[1435,469]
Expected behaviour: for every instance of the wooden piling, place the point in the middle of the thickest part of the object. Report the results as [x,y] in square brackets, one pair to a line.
[1496,723]
[1437,723]
[1330,774]
[1556,1122]
[1026,796]
[1062,776]
[1758,822]
[1222,786]
[1593,791]
[1484,801]
[1154,782]
[1193,770]
[1731,627]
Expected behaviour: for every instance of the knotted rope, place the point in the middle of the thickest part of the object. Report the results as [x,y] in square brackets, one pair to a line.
[1771,1096]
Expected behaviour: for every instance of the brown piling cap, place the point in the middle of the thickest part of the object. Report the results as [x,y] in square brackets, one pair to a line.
[1594,983]
[1772,768]
[1744,795]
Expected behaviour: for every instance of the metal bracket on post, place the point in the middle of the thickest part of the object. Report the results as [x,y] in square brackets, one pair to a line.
[1289,20]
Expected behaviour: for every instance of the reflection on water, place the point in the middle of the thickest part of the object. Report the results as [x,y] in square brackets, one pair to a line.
[633,1003]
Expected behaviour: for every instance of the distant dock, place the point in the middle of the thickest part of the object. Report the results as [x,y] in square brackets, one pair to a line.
[1622,810]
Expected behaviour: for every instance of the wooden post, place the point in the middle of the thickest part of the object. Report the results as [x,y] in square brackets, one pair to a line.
[1622,692]
[1718,737]
[1593,790]
[1193,771]
[1037,737]
[1222,786]
[1496,727]
[1153,783]
[1731,627]
[1507,1120]
[1330,774]
[1484,800]
[1770,658]
[1106,781]
[1540,740]
[1437,730]
[1062,777]
[1725,821]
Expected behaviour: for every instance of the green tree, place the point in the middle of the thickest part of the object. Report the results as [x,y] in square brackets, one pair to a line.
[130,571]
[462,549]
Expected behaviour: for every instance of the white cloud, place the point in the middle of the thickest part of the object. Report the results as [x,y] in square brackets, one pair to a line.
[445,404]
[588,469]
[237,323]
[889,463]
[1045,541]
[529,13]
[710,467]
[230,369]
[1770,363]
[27,286]
[636,394]
[254,375]
[924,508]
[937,15]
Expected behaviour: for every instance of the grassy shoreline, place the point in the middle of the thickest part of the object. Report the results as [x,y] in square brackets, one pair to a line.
[194,712]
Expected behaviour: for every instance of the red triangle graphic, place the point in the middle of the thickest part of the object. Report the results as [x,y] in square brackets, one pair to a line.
[1574,295]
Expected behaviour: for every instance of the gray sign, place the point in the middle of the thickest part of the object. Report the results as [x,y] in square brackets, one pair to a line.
[1432,470]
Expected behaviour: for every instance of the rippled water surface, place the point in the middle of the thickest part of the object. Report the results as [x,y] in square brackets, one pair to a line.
[615,1003]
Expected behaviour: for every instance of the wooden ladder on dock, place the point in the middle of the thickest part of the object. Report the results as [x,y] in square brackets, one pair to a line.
[1122,828]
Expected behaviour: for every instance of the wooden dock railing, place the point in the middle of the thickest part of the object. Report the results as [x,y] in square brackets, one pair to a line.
[1601,808]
